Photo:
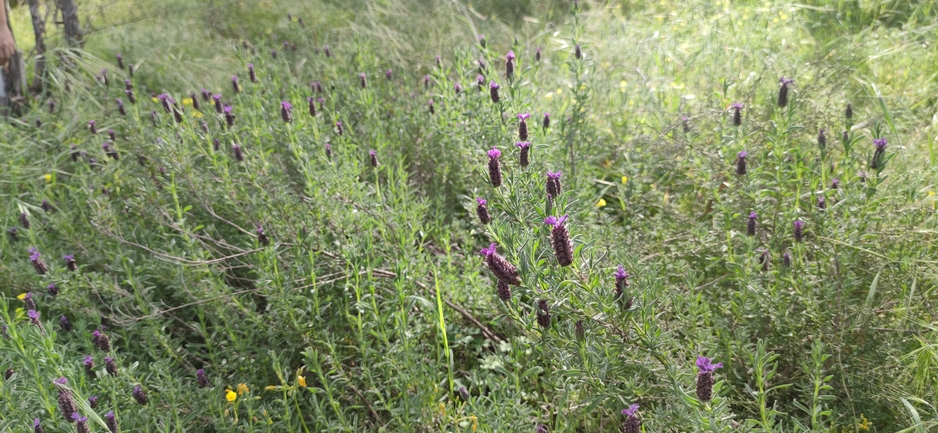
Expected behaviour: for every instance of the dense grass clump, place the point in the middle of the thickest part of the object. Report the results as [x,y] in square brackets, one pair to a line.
[509,217]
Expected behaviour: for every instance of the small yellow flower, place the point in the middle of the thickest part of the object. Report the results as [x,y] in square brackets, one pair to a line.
[21,296]
[864,423]
[270,387]
[301,380]
[155,100]
[197,114]
[48,178]
[187,101]
[601,203]
[625,179]
[231,395]
[242,388]
[443,409]
[475,423]
[931,193]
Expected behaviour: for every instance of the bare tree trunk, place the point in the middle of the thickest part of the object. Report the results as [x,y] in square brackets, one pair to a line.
[39,30]
[70,19]
[14,78]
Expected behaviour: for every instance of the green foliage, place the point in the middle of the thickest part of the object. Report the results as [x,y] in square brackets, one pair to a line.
[320,291]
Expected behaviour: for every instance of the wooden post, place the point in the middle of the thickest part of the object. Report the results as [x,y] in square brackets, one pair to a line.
[39,30]
[14,78]
[70,19]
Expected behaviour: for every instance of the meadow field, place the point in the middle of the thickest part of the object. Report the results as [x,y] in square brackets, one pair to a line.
[489,216]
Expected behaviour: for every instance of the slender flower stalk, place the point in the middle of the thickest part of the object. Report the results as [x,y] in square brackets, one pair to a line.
[482,211]
[560,240]
[524,158]
[495,170]
[504,271]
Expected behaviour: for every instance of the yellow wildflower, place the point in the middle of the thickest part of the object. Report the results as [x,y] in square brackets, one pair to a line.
[864,423]
[601,203]
[475,423]
[48,178]
[21,296]
[301,380]
[270,387]
[230,395]
[197,114]
[625,179]
[242,388]
[187,101]
[155,100]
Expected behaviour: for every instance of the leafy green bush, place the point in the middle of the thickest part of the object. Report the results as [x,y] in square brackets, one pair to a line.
[302,252]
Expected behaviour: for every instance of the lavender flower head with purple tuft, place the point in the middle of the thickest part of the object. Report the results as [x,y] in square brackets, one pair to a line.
[705,379]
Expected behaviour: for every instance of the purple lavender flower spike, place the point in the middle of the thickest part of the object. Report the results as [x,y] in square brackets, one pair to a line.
[229,115]
[37,426]
[93,401]
[219,107]
[482,211]
[81,423]
[835,183]
[737,114]
[876,163]
[632,423]
[504,271]
[705,378]
[523,126]
[493,92]
[65,399]
[537,54]
[543,313]
[139,395]
[524,158]
[110,366]
[362,80]
[798,231]
[36,258]
[111,421]
[751,224]
[200,378]
[206,95]
[312,106]
[286,111]
[510,64]
[234,84]
[546,123]
[52,289]
[65,324]
[560,240]
[554,188]
[120,61]
[495,170]
[92,125]
[741,162]
[388,74]
[480,82]
[252,73]
[373,158]
[783,91]
[89,366]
